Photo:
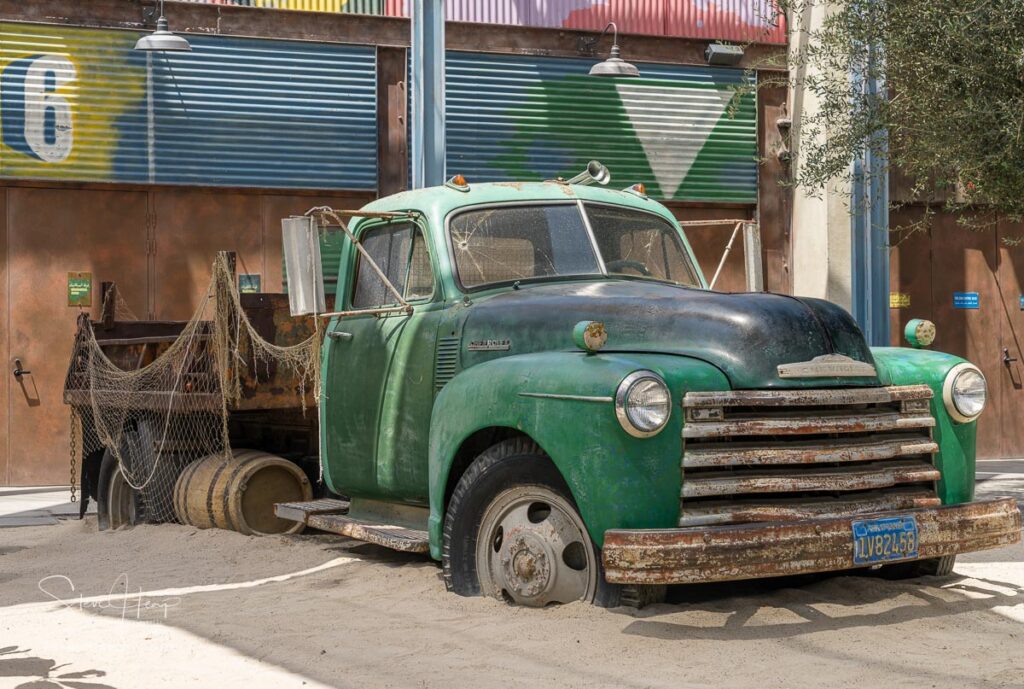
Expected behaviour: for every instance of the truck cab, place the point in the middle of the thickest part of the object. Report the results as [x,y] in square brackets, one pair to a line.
[532,382]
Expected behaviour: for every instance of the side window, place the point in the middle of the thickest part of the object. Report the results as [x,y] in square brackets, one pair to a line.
[401,253]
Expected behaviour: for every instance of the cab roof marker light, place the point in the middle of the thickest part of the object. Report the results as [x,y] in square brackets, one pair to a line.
[638,189]
[458,183]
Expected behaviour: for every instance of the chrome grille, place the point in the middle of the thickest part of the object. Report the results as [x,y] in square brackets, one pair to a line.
[779,455]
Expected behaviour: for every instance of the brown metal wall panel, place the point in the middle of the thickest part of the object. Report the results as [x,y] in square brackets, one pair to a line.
[5,382]
[928,267]
[52,232]
[966,261]
[276,207]
[191,227]
[392,121]
[775,202]
[910,274]
[1011,373]
[709,243]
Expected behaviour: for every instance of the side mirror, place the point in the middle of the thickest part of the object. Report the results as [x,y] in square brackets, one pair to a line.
[752,257]
[301,238]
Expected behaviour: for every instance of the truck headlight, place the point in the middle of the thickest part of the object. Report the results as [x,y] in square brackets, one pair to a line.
[643,404]
[964,392]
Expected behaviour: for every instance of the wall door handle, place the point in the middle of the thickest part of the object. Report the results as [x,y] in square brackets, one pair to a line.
[1007,359]
[339,335]
[19,371]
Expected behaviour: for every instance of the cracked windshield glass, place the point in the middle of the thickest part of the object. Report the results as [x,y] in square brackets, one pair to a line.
[516,243]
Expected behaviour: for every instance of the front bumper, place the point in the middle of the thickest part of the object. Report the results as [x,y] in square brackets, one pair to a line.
[750,551]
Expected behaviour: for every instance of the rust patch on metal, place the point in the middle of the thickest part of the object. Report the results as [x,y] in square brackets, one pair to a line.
[864,477]
[685,556]
[132,345]
[810,423]
[389,536]
[840,450]
[718,512]
[786,455]
[807,398]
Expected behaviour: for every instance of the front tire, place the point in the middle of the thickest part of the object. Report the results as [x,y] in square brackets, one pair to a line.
[512,531]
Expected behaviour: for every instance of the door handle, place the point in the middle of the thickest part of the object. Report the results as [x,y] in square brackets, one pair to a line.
[18,370]
[1007,359]
[339,335]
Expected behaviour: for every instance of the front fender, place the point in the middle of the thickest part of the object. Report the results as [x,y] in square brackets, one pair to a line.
[617,480]
[956,457]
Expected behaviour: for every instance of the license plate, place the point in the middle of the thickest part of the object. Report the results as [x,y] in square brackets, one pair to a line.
[884,540]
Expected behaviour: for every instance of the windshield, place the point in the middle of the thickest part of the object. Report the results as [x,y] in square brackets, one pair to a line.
[509,243]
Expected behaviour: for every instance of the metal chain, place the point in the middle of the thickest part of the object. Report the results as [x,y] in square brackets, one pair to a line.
[76,423]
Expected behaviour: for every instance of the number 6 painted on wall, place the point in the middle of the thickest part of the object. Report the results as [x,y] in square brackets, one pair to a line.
[36,119]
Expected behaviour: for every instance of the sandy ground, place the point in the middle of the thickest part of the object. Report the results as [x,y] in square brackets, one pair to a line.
[214,608]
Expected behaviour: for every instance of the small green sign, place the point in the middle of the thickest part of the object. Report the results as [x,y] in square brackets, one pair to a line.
[79,289]
[249,283]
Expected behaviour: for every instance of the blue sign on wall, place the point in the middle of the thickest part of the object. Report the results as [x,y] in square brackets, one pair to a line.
[966,300]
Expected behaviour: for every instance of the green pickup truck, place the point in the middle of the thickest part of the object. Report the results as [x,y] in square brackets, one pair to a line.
[532,382]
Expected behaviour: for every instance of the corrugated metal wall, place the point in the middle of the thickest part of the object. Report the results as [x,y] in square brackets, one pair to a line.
[630,16]
[350,6]
[81,104]
[267,113]
[676,129]
[730,20]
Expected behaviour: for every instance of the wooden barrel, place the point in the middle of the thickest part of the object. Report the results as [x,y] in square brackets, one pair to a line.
[239,493]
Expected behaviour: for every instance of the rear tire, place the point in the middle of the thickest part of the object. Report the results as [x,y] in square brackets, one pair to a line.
[117,503]
[537,550]
[932,567]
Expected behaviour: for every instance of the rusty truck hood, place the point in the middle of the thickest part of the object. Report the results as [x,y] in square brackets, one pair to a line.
[746,335]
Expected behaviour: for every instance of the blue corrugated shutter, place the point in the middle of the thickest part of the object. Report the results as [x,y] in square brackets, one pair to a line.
[688,133]
[82,104]
[245,112]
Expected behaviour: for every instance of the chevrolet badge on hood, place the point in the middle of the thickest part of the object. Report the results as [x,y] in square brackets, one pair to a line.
[827,366]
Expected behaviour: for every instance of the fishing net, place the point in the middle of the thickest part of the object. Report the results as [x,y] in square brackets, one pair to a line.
[158,398]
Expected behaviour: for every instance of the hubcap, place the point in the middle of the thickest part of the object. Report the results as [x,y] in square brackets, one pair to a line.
[533,549]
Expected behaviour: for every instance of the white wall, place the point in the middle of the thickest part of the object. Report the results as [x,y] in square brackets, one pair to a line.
[821,224]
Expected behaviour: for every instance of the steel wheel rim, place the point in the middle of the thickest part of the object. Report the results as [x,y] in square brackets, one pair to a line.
[533,549]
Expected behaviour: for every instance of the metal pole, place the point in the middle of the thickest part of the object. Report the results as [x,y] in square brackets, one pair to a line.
[427,150]
[870,226]
[878,243]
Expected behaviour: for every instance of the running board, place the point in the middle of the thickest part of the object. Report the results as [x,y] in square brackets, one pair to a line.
[331,515]
[301,511]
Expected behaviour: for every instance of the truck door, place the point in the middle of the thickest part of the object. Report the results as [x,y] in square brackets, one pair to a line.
[378,370]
